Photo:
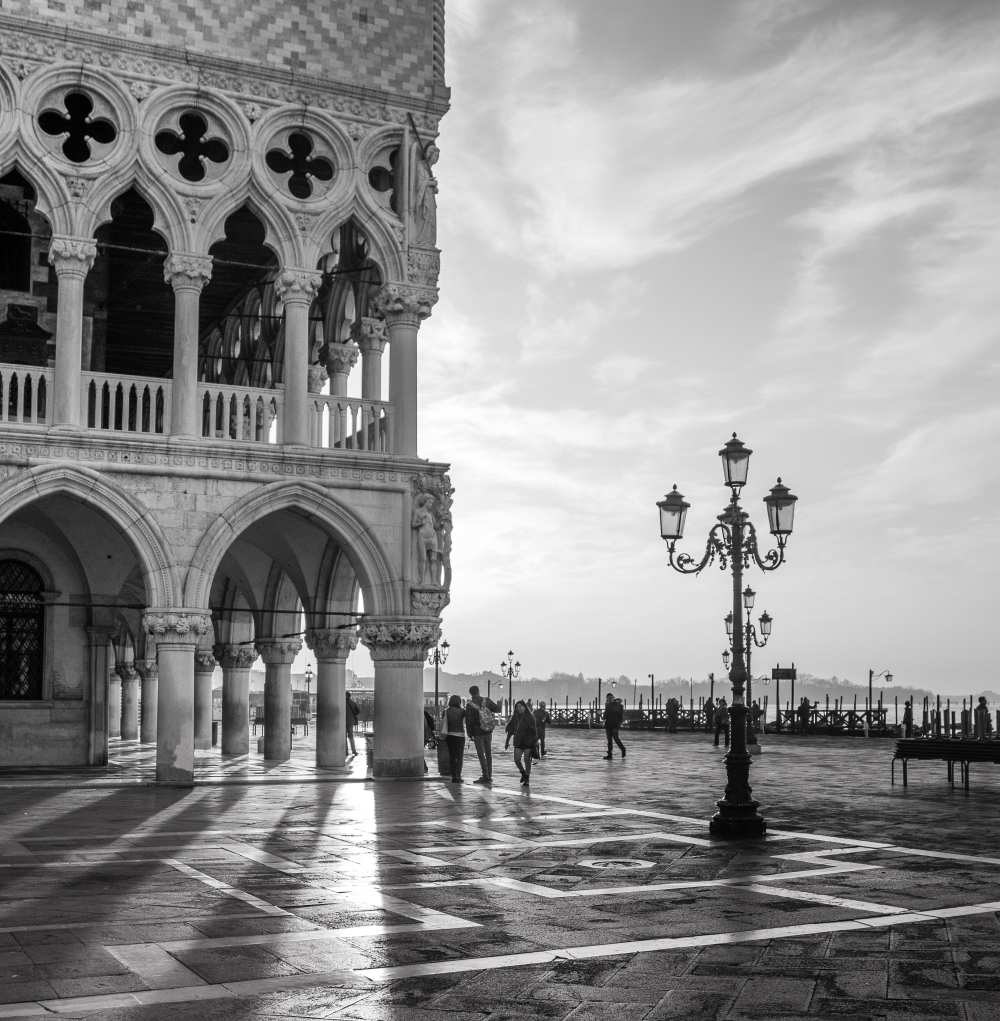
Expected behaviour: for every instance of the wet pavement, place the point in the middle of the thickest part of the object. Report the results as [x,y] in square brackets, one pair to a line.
[287,892]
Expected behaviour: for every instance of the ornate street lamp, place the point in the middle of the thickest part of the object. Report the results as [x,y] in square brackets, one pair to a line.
[887,674]
[733,540]
[510,670]
[309,681]
[437,656]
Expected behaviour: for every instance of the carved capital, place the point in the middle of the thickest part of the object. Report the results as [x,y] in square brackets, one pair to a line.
[428,602]
[278,650]
[371,335]
[332,643]
[72,256]
[177,625]
[187,271]
[235,657]
[204,661]
[147,669]
[341,358]
[400,638]
[401,303]
[126,671]
[317,377]
[297,285]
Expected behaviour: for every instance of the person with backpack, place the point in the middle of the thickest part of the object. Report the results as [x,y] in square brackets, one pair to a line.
[721,720]
[351,719]
[521,730]
[542,717]
[614,714]
[479,723]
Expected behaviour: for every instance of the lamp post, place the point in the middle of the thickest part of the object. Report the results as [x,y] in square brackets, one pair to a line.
[437,656]
[309,681]
[887,674]
[750,639]
[734,541]
[510,670]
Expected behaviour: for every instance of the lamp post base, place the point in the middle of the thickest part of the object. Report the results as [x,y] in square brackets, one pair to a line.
[737,822]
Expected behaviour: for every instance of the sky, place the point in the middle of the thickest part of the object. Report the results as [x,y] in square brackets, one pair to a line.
[662,222]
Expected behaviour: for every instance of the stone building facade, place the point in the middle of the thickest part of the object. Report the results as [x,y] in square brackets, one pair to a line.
[217,246]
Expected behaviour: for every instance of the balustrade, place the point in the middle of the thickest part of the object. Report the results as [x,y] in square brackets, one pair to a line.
[24,391]
[350,423]
[126,404]
[240,413]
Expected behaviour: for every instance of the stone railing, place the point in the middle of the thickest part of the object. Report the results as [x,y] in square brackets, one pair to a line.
[240,413]
[350,423]
[126,404]
[24,394]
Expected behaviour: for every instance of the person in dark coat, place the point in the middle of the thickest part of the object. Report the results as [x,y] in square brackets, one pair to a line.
[454,728]
[614,714]
[522,731]
[542,718]
[721,720]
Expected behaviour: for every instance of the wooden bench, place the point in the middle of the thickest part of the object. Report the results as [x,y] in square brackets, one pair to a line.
[946,750]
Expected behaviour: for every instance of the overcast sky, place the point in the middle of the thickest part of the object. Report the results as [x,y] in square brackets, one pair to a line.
[665,221]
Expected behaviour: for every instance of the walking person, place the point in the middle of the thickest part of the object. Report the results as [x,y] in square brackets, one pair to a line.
[351,721]
[721,721]
[614,714]
[542,718]
[804,711]
[521,730]
[454,729]
[981,719]
[479,723]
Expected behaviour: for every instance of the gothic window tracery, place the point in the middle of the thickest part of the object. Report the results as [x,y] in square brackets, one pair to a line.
[384,177]
[22,626]
[79,127]
[300,164]
[193,145]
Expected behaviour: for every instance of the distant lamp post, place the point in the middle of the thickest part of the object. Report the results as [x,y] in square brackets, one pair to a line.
[887,674]
[309,681]
[437,656]
[510,670]
[734,541]
[750,639]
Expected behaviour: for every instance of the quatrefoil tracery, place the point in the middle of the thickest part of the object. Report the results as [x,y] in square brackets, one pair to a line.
[78,126]
[302,167]
[386,179]
[196,148]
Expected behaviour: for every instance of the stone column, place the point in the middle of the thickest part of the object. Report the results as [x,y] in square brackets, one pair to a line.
[403,308]
[150,683]
[177,632]
[114,703]
[331,648]
[187,273]
[398,648]
[372,339]
[236,661]
[204,671]
[72,259]
[278,655]
[100,715]
[296,289]
[130,701]
[340,359]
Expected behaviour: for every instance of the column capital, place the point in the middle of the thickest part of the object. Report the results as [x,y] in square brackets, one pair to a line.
[297,286]
[204,661]
[371,334]
[276,651]
[235,657]
[147,669]
[177,624]
[70,256]
[399,638]
[317,377]
[403,304]
[187,271]
[331,643]
[126,671]
[342,357]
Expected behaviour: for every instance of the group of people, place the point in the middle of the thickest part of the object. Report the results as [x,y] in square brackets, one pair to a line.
[477,720]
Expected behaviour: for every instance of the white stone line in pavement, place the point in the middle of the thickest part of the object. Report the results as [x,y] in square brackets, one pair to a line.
[272,861]
[150,834]
[825,899]
[154,965]
[945,855]
[416,859]
[59,926]
[515,843]
[225,888]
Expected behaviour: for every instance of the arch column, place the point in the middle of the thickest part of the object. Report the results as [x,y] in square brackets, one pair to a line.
[236,661]
[187,273]
[129,701]
[177,632]
[204,671]
[150,682]
[278,656]
[114,702]
[296,289]
[371,342]
[398,648]
[100,712]
[72,259]
[331,649]
[403,308]
[341,358]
